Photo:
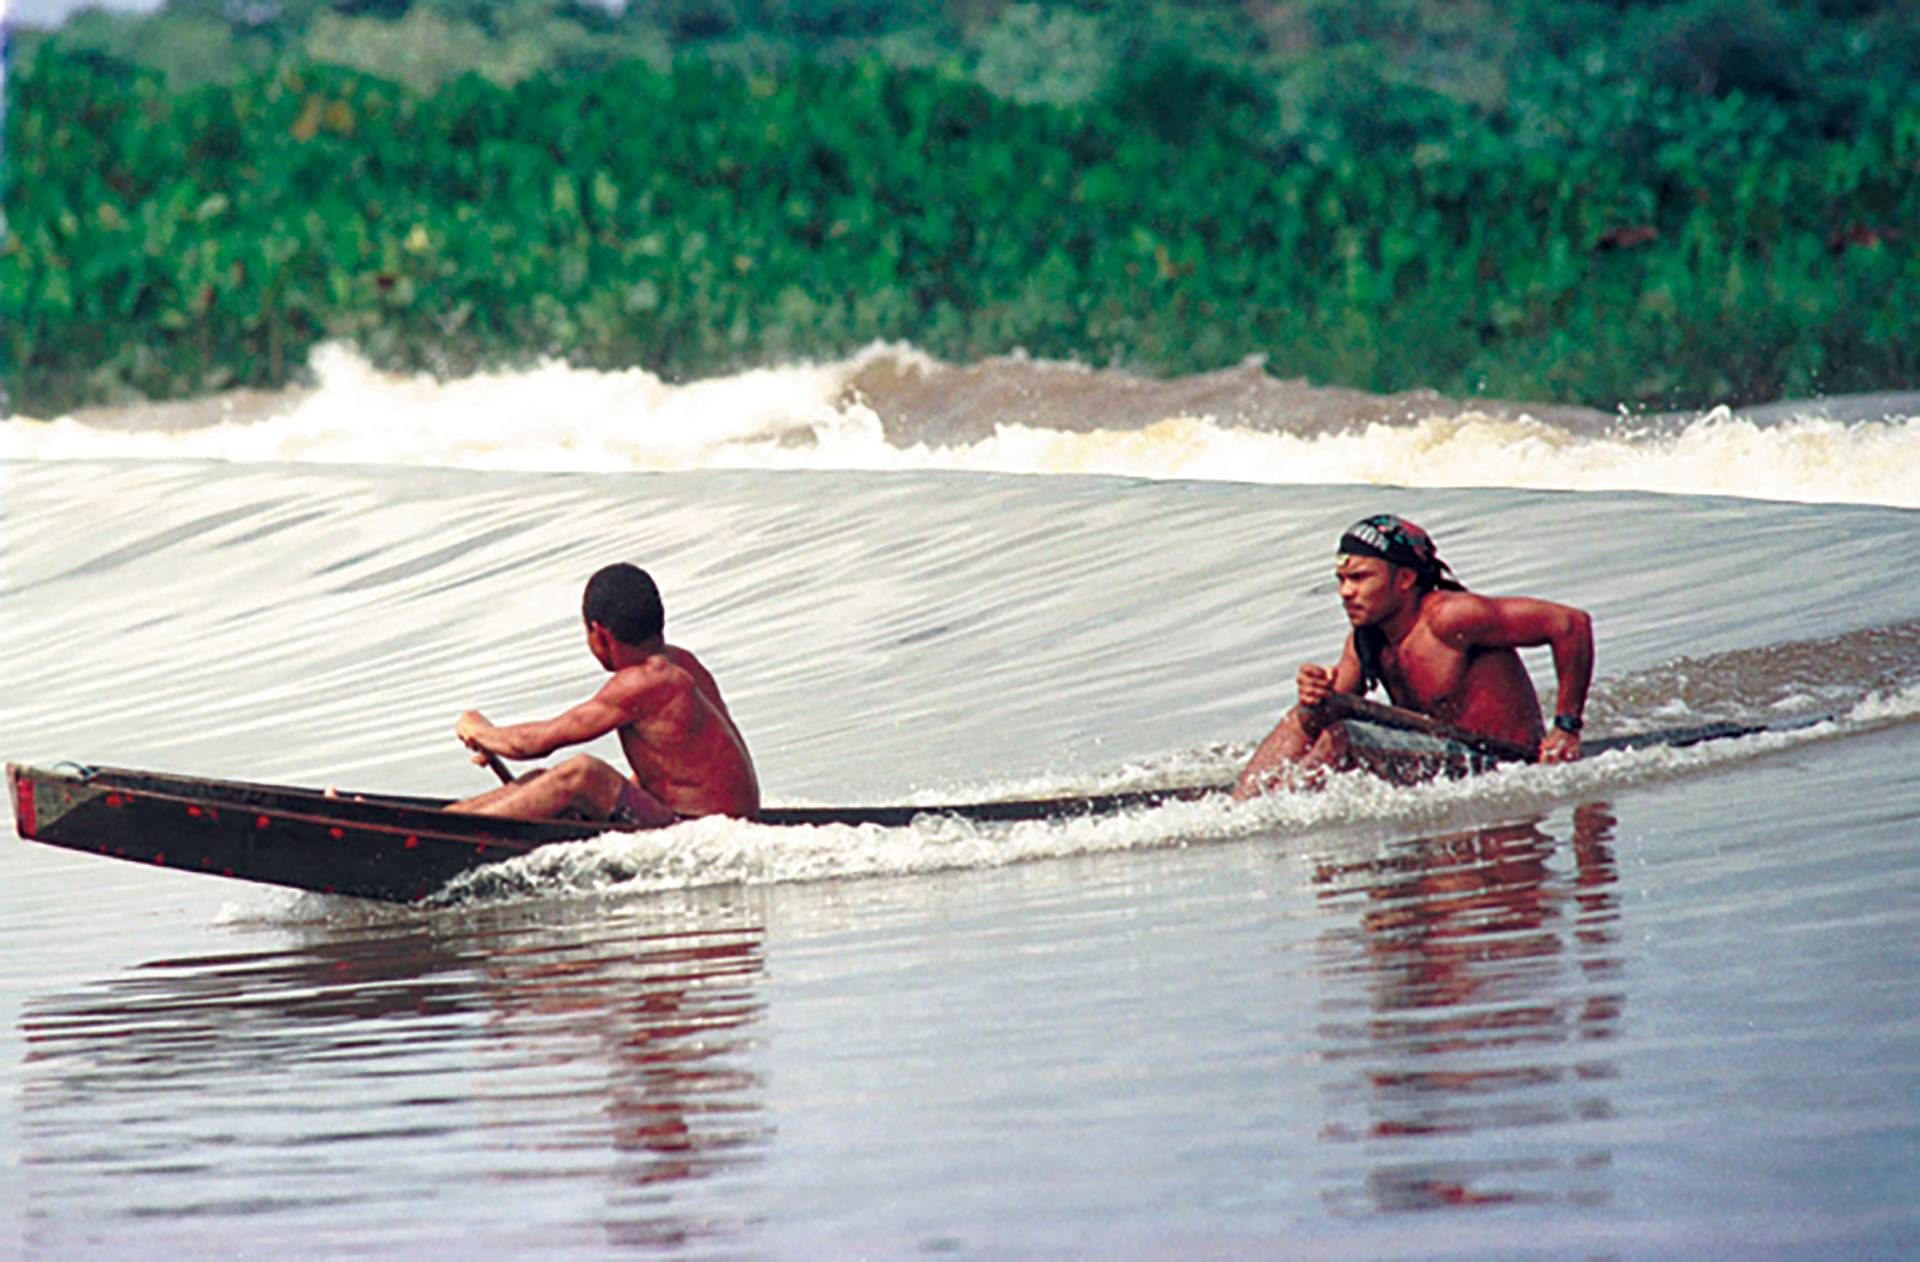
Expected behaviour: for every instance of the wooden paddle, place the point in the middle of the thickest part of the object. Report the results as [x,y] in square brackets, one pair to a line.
[499,768]
[1343,705]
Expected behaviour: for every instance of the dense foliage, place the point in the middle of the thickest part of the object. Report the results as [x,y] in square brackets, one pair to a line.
[1595,224]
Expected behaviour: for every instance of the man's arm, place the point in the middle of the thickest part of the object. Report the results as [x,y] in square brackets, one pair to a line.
[1469,621]
[630,694]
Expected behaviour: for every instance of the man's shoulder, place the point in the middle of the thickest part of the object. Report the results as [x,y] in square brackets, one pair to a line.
[657,671]
[1449,614]
[1440,604]
[682,658]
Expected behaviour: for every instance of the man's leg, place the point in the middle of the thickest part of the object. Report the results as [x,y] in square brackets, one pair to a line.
[1331,752]
[1300,739]
[582,784]
[477,804]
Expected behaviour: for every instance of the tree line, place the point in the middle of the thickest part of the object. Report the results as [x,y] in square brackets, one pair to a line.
[1603,217]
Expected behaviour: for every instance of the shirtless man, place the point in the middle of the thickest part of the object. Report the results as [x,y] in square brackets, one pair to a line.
[688,758]
[1440,650]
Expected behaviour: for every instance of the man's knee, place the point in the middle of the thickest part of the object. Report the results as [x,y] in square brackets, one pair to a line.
[581,770]
[590,782]
[1303,720]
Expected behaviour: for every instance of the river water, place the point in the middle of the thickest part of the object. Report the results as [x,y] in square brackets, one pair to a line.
[1655,1004]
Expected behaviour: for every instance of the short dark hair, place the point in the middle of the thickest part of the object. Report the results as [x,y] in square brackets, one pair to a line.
[623,599]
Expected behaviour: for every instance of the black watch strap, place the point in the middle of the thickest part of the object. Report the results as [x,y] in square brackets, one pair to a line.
[1568,723]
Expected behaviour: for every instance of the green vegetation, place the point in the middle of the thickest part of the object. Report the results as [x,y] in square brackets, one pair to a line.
[1663,204]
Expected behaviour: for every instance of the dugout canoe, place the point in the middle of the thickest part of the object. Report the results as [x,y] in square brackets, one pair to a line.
[402,849]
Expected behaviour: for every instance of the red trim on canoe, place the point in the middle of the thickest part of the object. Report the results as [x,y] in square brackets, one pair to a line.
[24,819]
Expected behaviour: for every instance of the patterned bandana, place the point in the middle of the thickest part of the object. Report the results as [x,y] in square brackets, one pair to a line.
[1398,541]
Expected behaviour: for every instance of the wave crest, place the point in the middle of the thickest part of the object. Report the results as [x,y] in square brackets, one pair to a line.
[893,408]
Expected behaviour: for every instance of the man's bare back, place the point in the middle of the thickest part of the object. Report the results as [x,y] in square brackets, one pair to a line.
[682,743]
[688,757]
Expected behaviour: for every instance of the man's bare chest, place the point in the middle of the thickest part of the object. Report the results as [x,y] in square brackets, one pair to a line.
[1424,672]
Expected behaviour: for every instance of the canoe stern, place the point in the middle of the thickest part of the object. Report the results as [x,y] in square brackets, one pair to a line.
[41,799]
[25,817]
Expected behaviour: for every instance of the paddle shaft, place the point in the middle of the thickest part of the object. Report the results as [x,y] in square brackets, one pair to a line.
[1342,705]
[499,768]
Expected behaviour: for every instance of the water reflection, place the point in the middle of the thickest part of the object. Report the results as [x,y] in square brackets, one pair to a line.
[662,1019]
[1475,992]
[566,1076]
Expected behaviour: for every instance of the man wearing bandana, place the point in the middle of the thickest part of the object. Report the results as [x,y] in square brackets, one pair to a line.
[1439,649]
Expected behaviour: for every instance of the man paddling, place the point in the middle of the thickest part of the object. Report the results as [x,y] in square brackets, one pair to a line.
[1439,649]
[688,758]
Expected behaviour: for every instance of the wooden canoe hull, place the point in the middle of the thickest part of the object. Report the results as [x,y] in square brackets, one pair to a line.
[402,849]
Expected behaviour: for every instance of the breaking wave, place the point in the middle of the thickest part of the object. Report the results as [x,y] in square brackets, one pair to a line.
[894,408]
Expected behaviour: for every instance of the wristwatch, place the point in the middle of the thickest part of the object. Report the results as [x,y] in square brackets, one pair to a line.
[1568,723]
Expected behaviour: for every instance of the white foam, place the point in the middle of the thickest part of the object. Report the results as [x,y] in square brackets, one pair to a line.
[557,418]
[717,851]
[1885,709]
